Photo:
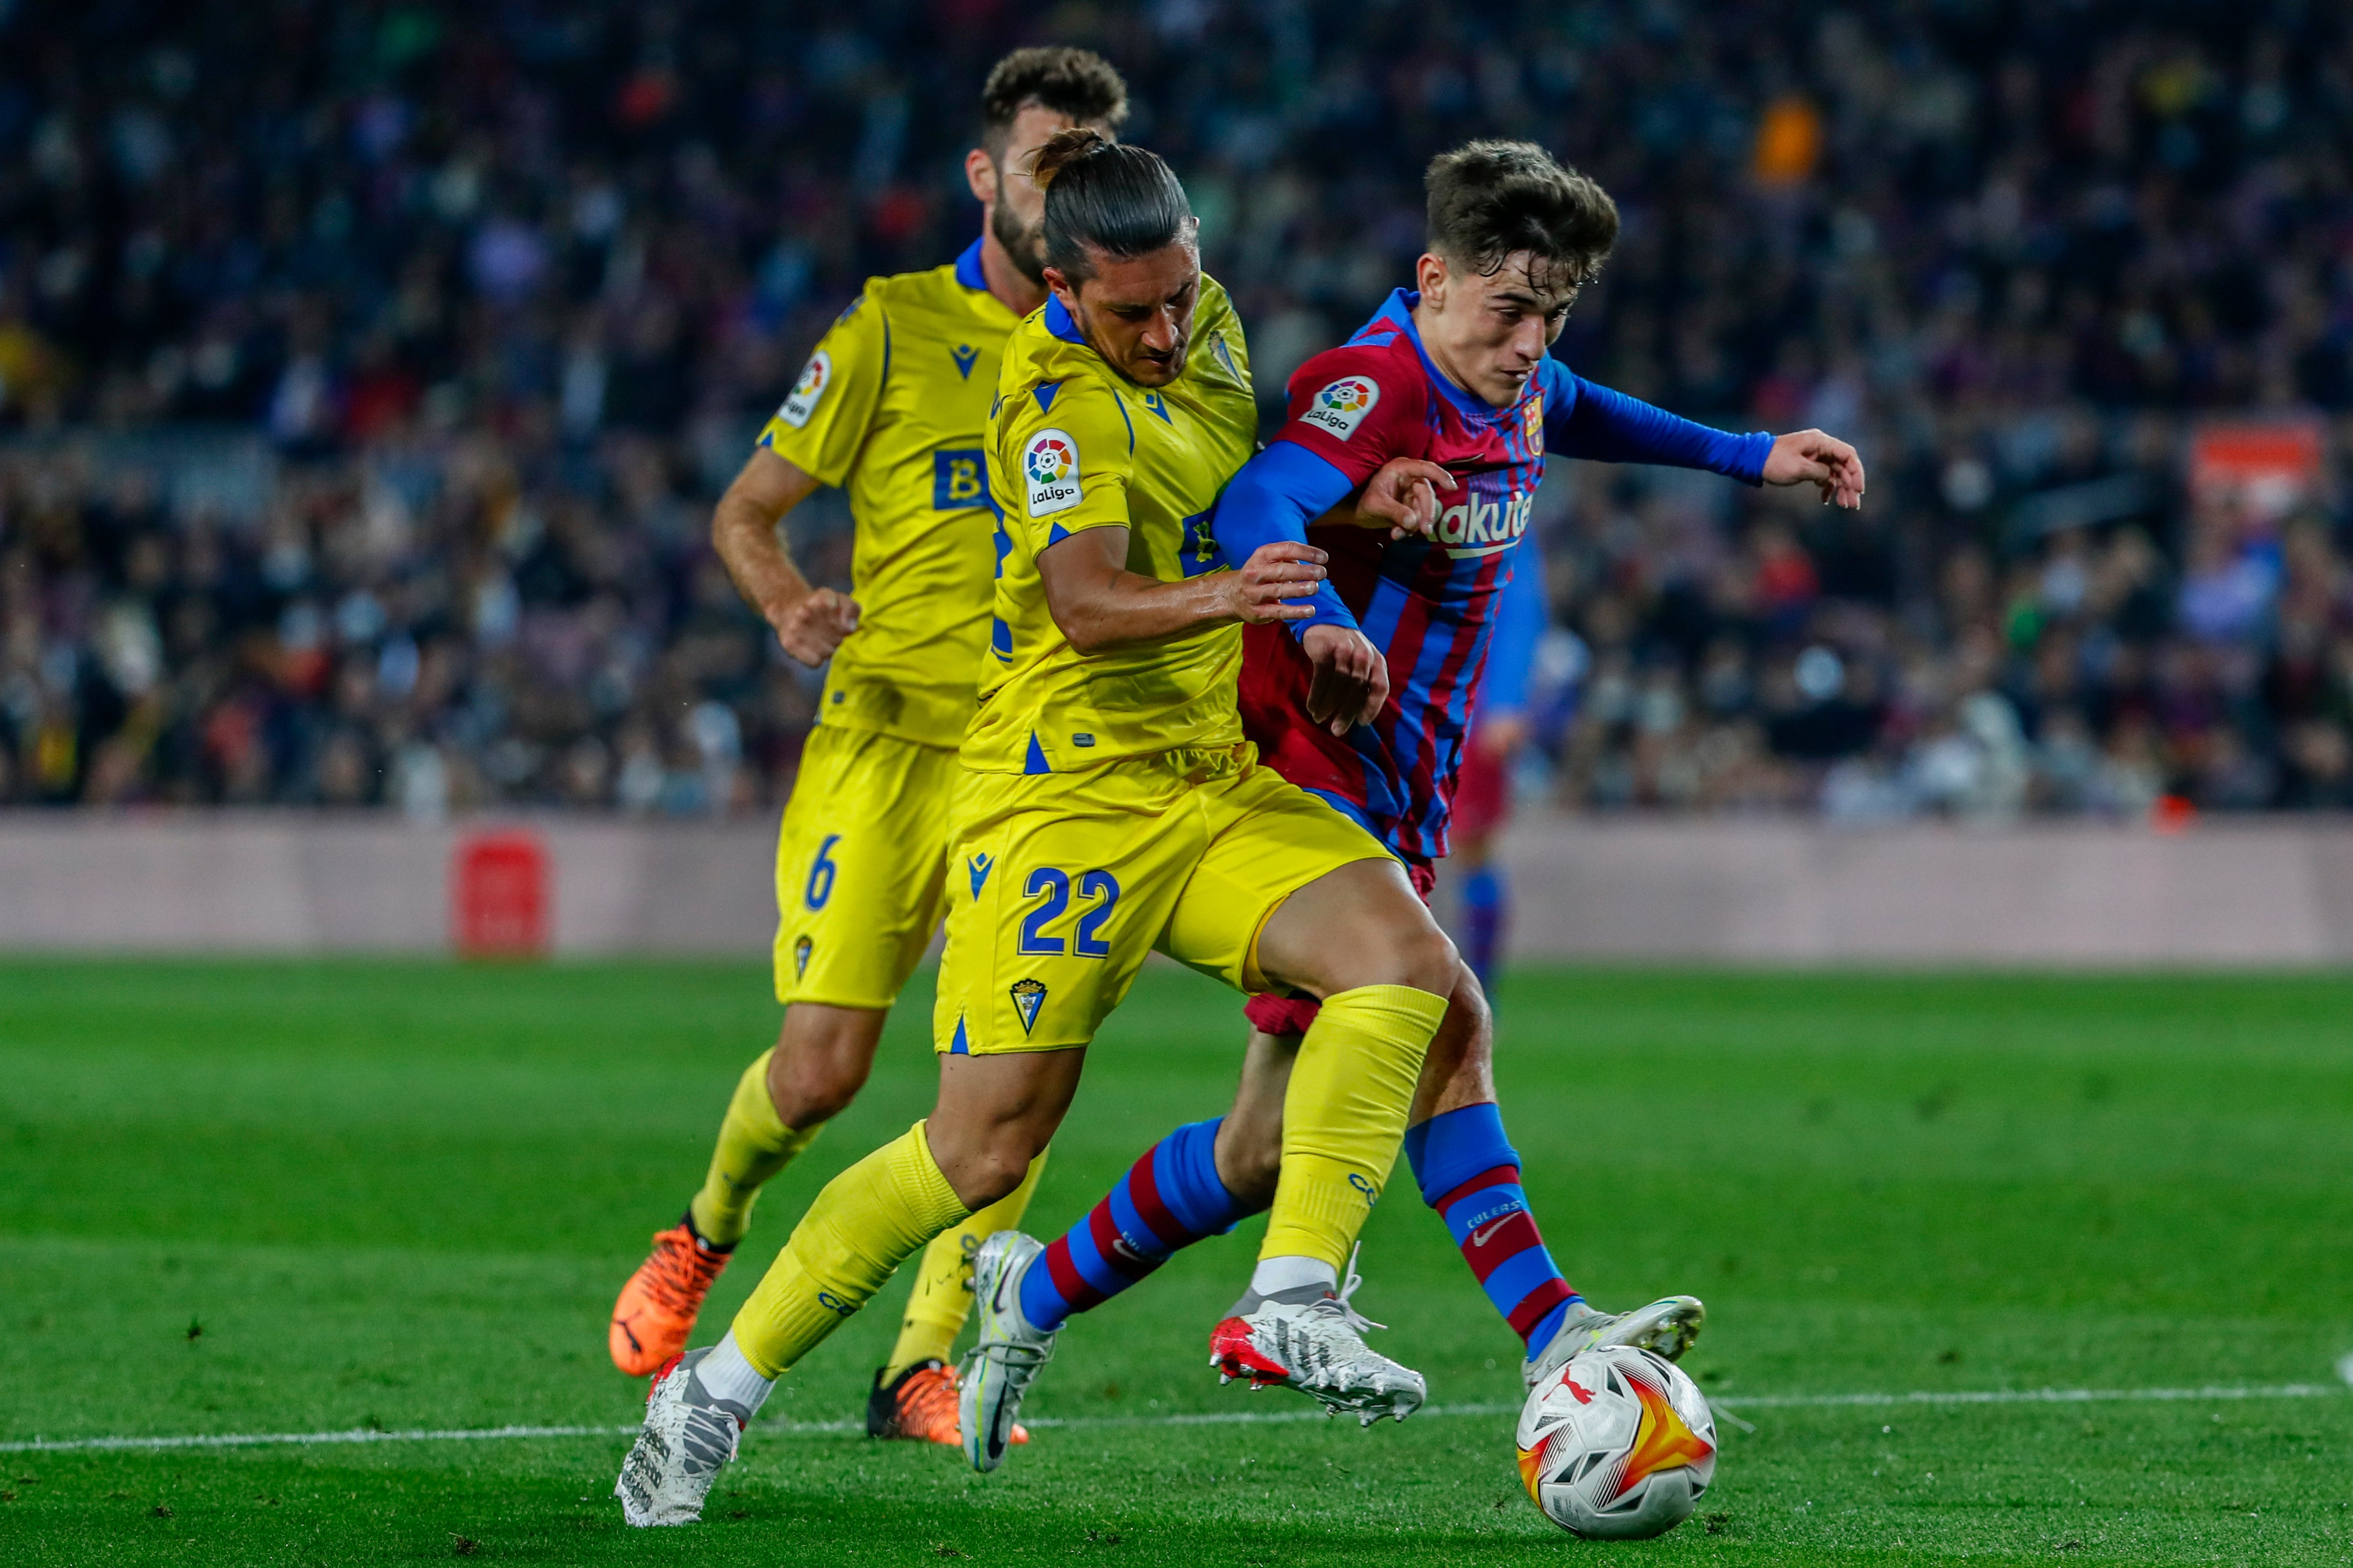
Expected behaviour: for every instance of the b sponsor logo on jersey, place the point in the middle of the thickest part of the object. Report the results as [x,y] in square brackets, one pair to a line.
[1480,526]
[1050,465]
[1340,407]
[1029,995]
[958,481]
[801,403]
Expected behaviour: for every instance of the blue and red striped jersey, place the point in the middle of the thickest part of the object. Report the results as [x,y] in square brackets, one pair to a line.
[1432,605]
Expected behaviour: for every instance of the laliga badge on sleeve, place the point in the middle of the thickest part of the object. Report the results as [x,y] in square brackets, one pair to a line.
[1340,407]
[1050,467]
[801,403]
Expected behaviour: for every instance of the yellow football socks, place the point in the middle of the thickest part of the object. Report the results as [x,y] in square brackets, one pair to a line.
[868,1221]
[942,1298]
[753,1145]
[1343,1116]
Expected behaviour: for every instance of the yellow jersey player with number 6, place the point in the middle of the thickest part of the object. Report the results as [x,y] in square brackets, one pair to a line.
[890,407]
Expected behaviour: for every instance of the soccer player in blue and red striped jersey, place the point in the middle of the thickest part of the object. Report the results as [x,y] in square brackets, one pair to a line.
[1449,393]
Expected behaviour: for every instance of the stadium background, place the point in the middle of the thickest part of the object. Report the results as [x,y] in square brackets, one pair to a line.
[366,371]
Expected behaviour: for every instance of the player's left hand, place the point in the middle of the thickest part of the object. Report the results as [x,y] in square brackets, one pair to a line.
[1402,497]
[1825,462]
[1351,683]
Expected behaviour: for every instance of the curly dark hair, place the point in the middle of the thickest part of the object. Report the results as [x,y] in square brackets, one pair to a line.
[1076,82]
[1489,200]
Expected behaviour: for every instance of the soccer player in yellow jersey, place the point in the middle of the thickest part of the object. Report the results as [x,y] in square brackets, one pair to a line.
[1109,806]
[892,406]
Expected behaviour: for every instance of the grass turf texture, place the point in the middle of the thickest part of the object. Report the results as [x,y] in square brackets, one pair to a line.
[403,1195]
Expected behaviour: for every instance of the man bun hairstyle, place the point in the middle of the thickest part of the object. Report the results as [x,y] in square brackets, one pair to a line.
[1105,195]
[1491,199]
[1079,83]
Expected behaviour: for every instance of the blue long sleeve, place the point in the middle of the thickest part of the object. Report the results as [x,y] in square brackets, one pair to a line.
[1608,426]
[1520,619]
[1274,498]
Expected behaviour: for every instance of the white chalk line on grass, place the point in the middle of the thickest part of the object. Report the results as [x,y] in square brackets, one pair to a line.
[1202,1418]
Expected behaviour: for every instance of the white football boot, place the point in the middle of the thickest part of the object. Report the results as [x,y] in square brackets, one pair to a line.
[689,1434]
[996,1371]
[1667,1326]
[1312,1340]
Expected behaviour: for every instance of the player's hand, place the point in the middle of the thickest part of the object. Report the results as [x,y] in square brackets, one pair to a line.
[1269,582]
[815,624]
[1825,462]
[1350,682]
[1402,497]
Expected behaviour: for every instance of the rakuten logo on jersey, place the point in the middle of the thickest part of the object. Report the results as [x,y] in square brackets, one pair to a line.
[802,400]
[1480,525]
[1340,407]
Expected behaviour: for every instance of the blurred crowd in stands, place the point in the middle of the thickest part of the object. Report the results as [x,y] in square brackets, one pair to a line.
[366,371]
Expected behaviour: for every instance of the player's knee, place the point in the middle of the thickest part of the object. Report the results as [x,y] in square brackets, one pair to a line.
[990,1174]
[1422,957]
[813,1077]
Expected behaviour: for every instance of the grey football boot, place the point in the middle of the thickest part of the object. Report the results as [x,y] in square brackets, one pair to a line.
[1667,1326]
[689,1435]
[997,1370]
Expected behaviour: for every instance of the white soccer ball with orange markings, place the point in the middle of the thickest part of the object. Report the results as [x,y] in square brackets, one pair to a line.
[1618,1445]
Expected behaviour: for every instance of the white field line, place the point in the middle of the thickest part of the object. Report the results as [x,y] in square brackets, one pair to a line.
[1206,1418]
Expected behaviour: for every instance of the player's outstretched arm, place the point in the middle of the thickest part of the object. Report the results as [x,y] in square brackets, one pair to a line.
[1099,603]
[1825,462]
[809,622]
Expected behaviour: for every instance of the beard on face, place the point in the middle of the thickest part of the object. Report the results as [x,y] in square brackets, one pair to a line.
[1025,245]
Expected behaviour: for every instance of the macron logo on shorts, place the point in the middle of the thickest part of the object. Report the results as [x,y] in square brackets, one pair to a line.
[1050,466]
[800,403]
[1340,407]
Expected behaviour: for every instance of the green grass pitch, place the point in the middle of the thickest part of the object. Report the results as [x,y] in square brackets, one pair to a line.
[306,1197]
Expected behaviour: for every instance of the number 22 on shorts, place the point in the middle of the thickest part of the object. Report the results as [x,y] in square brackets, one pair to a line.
[1100,889]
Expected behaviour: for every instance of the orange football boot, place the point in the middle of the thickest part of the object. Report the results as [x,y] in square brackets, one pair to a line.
[919,1405]
[658,1306]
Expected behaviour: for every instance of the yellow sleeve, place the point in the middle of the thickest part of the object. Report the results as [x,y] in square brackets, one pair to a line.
[822,423]
[1063,466]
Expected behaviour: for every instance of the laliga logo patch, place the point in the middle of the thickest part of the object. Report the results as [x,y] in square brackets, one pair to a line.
[1029,995]
[1340,407]
[802,400]
[1051,464]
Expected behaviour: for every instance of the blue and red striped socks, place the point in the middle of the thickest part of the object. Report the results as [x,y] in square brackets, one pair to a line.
[1470,1173]
[1169,1199]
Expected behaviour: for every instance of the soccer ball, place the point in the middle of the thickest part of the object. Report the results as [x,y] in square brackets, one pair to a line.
[1616,1445]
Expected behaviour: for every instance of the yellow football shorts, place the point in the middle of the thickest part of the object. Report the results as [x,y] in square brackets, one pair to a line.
[860,864]
[1059,885]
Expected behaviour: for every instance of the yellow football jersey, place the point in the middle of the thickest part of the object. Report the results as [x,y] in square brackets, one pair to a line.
[1072,445]
[893,406]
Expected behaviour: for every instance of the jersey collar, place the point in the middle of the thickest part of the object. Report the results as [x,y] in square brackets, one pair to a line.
[1397,312]
[1059,322]
[967,268]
